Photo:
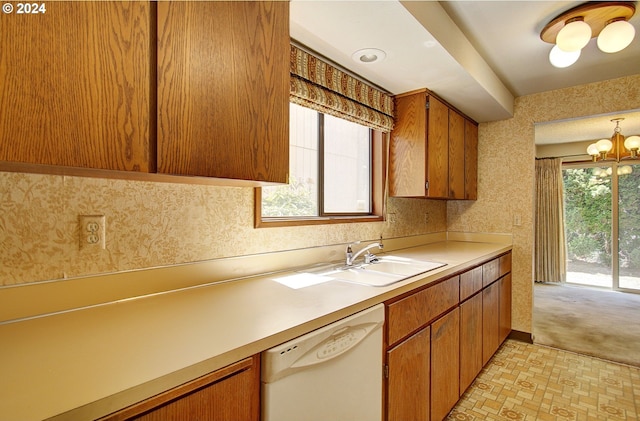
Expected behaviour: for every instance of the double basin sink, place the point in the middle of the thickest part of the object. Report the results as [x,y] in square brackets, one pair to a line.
[386,270]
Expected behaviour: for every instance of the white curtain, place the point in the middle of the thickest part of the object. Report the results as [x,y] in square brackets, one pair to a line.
[550,248]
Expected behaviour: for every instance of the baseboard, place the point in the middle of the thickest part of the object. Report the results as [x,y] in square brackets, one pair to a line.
[521,336]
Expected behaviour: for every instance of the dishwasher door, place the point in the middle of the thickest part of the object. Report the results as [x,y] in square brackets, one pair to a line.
[331,374]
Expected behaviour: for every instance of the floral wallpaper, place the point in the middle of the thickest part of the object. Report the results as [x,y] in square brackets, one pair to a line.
[157,224]
[506,160]
[150,224]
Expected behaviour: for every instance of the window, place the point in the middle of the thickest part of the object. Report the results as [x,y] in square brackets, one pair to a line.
[332,170]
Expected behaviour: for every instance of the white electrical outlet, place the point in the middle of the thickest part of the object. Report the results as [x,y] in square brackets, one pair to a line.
[92,231]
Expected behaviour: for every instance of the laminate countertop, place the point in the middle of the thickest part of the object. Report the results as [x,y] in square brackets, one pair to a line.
[86,363]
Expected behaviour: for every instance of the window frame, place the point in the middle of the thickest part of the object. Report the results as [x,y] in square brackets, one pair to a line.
[379,152]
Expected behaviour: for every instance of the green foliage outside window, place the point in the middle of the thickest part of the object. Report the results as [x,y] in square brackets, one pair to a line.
[588,216]
[294,199]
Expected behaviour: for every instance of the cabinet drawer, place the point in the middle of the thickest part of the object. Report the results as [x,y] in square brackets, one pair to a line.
[505,264]
[410,313]
[490,271]
[470,282]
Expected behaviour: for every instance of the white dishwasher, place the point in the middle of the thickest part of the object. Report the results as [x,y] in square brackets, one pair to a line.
[331,374]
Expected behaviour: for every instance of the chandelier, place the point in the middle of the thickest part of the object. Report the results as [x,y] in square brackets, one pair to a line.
[572,30]
[617,148]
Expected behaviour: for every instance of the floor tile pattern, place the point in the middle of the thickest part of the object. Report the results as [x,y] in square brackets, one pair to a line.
[526,382]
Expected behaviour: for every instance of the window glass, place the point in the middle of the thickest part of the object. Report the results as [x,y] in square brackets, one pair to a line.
[347,167]
[342,150]
[300,196]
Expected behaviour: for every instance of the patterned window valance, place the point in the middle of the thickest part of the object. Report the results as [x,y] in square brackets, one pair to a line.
[320,86]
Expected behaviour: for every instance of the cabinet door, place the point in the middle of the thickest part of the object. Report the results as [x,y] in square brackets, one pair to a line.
[470,340]
[490,321]
[456,155]
[437,149]
[408,383]
[445,364]
[231,393]
[470,282]
[76,86]
[505,307]
[408,147]
[223,89]
[470,160]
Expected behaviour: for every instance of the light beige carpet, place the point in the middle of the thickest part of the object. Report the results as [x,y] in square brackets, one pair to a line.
[600,323]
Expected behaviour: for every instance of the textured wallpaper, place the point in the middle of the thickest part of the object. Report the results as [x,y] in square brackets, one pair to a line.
[158,224]
[151,224]
[506,166]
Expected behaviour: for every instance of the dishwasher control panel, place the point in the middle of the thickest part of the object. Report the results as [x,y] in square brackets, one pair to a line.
[340,342]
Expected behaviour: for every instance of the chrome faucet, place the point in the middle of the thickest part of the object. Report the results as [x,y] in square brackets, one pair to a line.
[368,257]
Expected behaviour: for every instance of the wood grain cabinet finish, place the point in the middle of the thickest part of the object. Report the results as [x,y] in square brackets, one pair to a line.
[456,155]
[409,378]
[505,307]
[470,160]
[411,313]
[223,89]
[490,321]
[470,282]
[178,88]
[445,364]
[430,152]
[76,86]
[470,340]
[490,272]
[231,393]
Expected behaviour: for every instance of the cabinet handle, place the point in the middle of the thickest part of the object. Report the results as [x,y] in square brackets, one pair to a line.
[426,185]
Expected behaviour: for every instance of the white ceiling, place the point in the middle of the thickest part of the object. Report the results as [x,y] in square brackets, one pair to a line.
[477,55]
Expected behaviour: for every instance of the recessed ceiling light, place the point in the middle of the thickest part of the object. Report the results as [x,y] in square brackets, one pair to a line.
[369,55]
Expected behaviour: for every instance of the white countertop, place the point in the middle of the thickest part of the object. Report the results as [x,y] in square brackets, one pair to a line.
[87,363]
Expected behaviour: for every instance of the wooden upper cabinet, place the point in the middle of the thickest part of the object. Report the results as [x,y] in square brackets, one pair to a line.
[470,160]
[429,152]
[75,87]
[456,155]
[223,89]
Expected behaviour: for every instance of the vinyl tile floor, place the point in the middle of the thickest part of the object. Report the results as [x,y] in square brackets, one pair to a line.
[532,382]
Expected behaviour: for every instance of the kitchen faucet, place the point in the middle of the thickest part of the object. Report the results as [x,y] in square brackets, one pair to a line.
[368,257]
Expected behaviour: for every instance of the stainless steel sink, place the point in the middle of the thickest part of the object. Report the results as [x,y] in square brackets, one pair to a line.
[387,270]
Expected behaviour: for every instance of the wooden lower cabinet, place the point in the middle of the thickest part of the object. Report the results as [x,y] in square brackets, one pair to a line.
[504,307]
[470,340]
[409,377]
[490,321]
[231,393]
[445,364]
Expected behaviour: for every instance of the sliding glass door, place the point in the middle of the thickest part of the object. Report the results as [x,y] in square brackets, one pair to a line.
[602,224]
[629,227]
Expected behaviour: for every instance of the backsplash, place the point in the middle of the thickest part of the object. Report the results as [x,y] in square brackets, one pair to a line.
[151,224]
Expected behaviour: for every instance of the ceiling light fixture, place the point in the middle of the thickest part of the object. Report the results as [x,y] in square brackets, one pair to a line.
[368,55]
[617,147]
[572,30]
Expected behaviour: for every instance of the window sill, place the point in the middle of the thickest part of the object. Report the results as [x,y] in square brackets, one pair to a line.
[315,220]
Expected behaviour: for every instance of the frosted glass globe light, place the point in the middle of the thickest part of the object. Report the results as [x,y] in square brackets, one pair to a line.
[561,59]
[604,145]
[593,150]
[573,36]
[616,36]
[632,142]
